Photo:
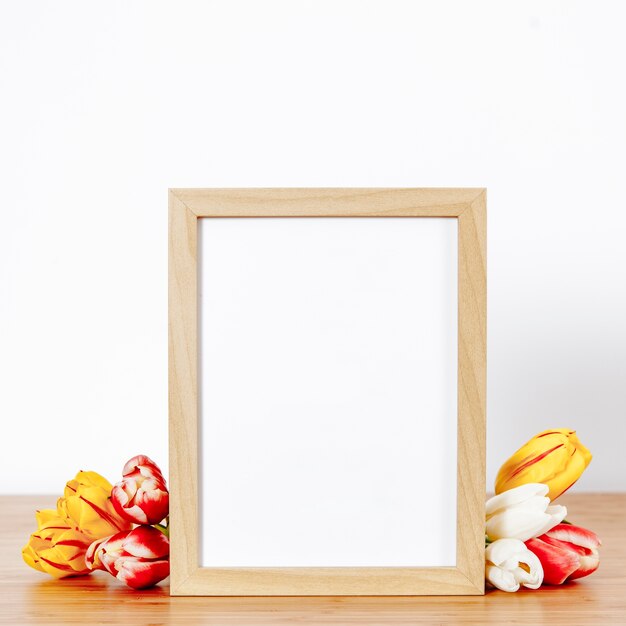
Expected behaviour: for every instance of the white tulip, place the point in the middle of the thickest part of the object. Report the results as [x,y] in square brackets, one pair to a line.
[509,564]
[522,513]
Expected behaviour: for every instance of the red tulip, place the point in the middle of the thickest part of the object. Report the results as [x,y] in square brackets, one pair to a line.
[566,552]
[138,557]
[141,496]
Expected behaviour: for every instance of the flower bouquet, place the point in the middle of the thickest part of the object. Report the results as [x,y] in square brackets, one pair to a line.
[118,529]
[528,540]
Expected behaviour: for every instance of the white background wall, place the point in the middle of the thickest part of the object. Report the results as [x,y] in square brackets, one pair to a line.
[105,105]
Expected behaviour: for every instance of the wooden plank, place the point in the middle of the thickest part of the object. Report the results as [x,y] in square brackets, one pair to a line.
[29,597]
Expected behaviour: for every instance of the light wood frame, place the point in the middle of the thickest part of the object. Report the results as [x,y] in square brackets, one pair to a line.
[468,206]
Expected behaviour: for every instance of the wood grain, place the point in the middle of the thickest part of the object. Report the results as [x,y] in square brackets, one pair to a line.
[183,390]
[329,202]
[189,205]
[472,389]
[29,597]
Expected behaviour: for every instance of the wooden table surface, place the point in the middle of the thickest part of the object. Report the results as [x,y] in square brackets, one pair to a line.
[29,597]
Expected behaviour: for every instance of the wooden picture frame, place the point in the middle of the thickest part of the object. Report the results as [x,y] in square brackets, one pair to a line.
[186,206]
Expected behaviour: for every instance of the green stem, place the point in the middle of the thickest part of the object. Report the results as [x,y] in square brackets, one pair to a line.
[164,528]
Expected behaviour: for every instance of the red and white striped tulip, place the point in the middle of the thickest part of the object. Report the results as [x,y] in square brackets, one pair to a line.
[566,552]
[141,496]
[138,557]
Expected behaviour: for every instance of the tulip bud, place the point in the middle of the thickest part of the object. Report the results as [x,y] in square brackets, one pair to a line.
[566,552]
[87,504]
[141,496]
[522,513]
[555,458]
[509,564]
[139,557]
[56,548]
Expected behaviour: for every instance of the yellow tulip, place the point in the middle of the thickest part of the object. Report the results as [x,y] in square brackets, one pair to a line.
[56,548]
[554,457]
[86,503]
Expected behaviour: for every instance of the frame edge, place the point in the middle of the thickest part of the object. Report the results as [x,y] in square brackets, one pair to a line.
[327,202]
[471,465]
[183,391]
[469,206]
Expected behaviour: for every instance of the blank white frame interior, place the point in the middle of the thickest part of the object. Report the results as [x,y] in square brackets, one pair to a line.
[327,385]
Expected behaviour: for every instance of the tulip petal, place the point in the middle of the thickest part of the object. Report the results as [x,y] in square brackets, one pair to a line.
[555,457]
[517,524]
[56,548]
[589,563]
[558,563]
[501,579]
[92,556]
[102,554]
[535,503]
[93,479]
[122,502]
[514,496]
[155,504]
[30,558]
[556,514]
[533,578]
[50,518]
[147,542]
[141,500]
[502,550]
[142,464]
[58,569]
[142,574]
[87,506]
[137,515]
[526,578]
[575,466]
[575,535]
[516,564]
[98,514]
